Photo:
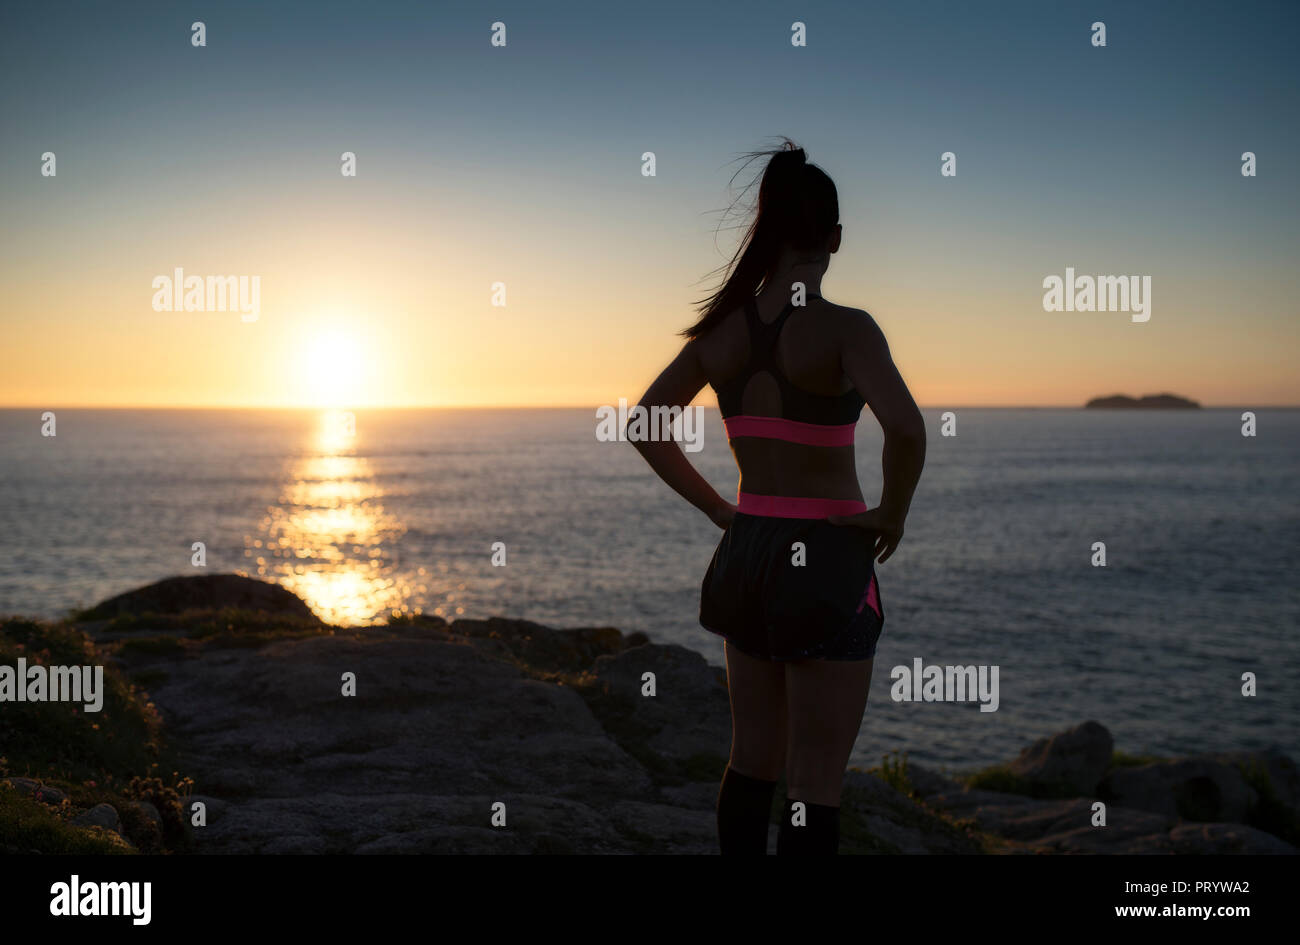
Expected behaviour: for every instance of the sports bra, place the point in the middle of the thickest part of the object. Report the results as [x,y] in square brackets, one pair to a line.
[808,418]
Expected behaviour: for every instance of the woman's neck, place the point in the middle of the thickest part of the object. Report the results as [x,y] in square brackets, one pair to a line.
[810,274]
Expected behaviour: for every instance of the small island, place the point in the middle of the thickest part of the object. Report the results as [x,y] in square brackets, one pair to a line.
[1161,401]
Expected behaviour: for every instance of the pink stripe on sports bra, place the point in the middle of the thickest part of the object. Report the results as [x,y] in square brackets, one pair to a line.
[781,506]
[792,431]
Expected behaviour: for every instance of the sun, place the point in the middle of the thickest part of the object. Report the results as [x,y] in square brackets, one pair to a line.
[330,368]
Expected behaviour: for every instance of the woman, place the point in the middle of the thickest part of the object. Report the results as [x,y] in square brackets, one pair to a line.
[791,587]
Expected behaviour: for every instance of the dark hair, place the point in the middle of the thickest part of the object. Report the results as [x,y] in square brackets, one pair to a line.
[797,207]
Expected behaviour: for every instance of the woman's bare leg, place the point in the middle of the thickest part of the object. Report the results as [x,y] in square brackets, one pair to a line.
[758,715]
[757,690]
[825,702]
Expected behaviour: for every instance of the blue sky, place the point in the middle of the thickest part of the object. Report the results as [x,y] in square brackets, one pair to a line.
[522,163]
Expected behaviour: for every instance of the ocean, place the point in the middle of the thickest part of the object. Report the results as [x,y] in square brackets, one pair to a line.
[1200,526]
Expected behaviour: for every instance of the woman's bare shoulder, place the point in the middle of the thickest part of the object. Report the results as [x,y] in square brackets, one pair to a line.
[724,344]
[853,326]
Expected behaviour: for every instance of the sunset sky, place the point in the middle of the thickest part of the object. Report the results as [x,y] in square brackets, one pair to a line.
[522,165]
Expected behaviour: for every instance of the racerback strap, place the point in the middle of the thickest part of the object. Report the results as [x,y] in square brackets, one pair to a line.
[763,337]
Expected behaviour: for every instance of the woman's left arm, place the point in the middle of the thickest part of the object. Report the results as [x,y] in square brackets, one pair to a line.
[677,387]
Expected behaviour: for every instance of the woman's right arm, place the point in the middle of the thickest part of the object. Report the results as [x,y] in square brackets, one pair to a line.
[869,366]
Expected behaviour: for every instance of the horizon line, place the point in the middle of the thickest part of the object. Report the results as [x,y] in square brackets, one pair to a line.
[584,406]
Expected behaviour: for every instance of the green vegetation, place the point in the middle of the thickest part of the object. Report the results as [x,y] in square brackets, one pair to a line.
[908,812]
[893,771]
[113,756]
[1122,759]
[399,619]
[1269,813]
[228,622]
[28,826]
[1002,778]
[161,645]
[61,740]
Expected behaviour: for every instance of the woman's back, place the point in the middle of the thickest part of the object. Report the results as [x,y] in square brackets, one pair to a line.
[784,362]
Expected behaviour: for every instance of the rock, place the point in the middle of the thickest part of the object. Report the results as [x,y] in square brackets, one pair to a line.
[1057,826]
[204,592]
[1227,839]
[693,795]
[1065,826]
[437,731]
[296,845]
[1074,760]
[213,807]
[451,725]
[101,815]
[666,827]
[25,786]
[1283,775]
[926,782]
[48,795]
[1197,789]
[877,818]
[542,648]
[687,723]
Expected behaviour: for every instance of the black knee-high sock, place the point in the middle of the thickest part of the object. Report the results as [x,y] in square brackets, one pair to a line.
[819,834]
[744,810]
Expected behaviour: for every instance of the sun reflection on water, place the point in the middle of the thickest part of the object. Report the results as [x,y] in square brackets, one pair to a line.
[329,539]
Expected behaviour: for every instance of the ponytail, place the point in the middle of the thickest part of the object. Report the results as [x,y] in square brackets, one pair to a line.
[797,206]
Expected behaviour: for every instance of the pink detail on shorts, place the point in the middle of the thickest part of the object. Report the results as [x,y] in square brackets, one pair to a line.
[782,506]
[792,431]
[870,597]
